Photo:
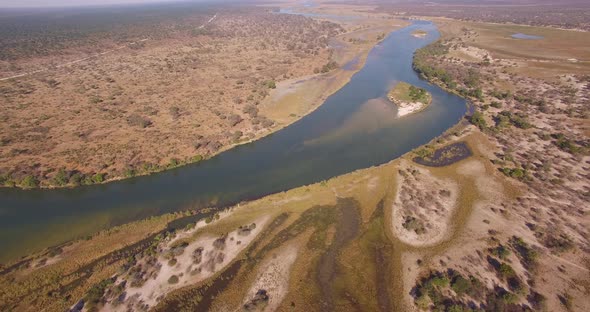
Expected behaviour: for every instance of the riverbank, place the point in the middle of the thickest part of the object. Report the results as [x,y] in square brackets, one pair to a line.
[286,102]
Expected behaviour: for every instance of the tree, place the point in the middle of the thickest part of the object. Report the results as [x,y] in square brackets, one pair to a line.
[29,182]
[60,178]
[478,119]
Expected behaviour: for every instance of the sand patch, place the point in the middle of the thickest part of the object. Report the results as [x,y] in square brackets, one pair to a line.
[407,108]
[179,266]
[423,206]
[272,281]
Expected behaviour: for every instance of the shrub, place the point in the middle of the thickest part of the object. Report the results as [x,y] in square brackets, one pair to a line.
[95,293]
[506,270]
[538,301]
[75,179]
[496,104]
[60,178]
[501,252]
[423,301]
[174,162]
[440,281]
[196,158]
[29,182]
[329,66]
[515,173]
[98,178]
[138,121]
[271,84]
[478,120]
[173,279]
[129,173]
[461,285]
[510,298]
[527,255]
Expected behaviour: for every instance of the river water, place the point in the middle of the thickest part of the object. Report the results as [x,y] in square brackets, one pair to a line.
[355,128]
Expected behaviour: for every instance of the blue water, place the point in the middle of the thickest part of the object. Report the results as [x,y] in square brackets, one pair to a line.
[342,135]
[526,37]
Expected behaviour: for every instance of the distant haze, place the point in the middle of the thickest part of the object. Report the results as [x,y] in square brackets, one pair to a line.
[71,3]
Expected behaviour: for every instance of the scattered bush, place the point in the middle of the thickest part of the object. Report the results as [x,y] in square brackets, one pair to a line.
[138,121]
[173,279]
[98,178]
[29,182]
[60,178]
[478,120]
[461,285]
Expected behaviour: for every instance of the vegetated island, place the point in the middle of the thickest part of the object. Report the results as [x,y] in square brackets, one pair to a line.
[408,98]
[419,33]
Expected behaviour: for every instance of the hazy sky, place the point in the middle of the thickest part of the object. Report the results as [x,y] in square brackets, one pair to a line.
[61,3]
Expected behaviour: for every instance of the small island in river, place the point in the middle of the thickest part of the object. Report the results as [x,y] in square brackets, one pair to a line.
[408,98]
[419,33]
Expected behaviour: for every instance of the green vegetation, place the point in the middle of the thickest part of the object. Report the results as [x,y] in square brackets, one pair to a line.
[528,256]
[331,65]
[478,120]
[504,118]
[501,252]
[406,92]
[566,144]
[29,182]
[98,178]
[95,294]
[173,279]
[271,84]
[413,224]
[466,83]
[516,173]
[60,178]
[433,293]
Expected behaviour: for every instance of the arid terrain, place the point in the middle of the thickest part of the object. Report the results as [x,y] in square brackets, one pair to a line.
[172,92]
[493,215]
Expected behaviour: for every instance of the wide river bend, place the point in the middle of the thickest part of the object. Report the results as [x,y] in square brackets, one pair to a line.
[355,128]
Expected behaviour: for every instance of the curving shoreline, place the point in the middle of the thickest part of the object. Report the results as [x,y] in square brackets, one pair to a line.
[278,162]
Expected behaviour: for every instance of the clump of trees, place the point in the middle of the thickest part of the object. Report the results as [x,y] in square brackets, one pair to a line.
[505,118]
[418,94]
[328,67]
[478,120]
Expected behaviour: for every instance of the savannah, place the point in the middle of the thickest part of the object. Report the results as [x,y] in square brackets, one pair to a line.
[213,156]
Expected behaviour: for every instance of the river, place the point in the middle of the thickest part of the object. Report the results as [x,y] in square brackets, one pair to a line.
[354,128]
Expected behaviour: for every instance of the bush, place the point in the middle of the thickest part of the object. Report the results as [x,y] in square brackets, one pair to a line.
[501,252]
[173,279]
[174,162]
[329,67]
[515,173]
[196,158]
[75,179]
[271,84]
[461,285]
[510,298]
[129,173]
[138,121]
[527,255]
[506,270]
[478,120]
[60,178]
[29,182]
[496,104]
[98,178]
